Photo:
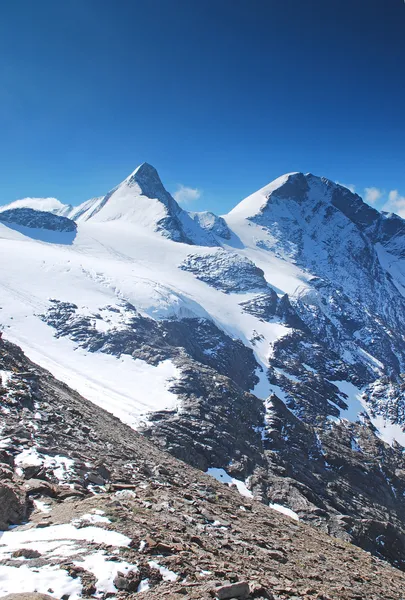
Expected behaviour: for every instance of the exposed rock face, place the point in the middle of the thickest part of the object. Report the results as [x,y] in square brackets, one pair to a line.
[12,505]
[226,271]
[36,219]
[212,223]
[154,341]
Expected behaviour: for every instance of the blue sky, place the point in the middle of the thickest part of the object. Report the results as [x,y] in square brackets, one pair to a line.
[221,96]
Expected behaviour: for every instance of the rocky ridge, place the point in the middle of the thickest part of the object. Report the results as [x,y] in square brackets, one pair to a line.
[154,523]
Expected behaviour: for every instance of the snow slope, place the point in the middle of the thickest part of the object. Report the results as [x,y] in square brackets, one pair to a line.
[107,264]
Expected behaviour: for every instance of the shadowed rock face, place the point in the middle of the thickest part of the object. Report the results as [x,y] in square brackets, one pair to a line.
[36,219]
[226,271]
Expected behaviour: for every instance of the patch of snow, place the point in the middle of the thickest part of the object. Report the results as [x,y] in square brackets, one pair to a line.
[45,508]
[284,510]
[5,377]
[41,579]
[308,368]
[284,373]
[352,395]
[143,586]
[166,573]
[222,476]
[90,518]
[29,457]
[375,363]
[30,538]
[104,570]
[126,494]
[61,466]
[389,432]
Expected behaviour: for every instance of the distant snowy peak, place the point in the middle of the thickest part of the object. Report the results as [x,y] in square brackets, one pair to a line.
[212,223]
[142,201]
[256,202]
[295,196]
[140,198]
[301,188]
[51,205]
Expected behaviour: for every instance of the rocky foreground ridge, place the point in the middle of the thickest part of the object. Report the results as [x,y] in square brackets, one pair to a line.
[136,521]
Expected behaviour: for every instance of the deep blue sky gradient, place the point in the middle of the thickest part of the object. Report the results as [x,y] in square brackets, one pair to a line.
[220,95]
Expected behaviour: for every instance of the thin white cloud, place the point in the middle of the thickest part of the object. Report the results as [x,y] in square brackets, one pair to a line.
[349,186]
[395,203]
[372,194]
[186,195]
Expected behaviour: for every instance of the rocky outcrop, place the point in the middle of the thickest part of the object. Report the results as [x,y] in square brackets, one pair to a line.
[226,271]
[12,504]
[212,223]
[36,219]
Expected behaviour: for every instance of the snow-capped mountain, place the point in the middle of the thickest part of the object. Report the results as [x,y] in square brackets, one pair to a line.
[268,342]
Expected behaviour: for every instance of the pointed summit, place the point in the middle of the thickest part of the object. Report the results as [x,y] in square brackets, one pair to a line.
[150,185]
[254,204]
[140,199]
[299,188]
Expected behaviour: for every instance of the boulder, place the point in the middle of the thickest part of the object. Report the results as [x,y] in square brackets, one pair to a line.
[232,590]
[12,505]
[39,486]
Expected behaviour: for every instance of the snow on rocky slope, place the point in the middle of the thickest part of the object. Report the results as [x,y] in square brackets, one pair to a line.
[280,325]
[90,508]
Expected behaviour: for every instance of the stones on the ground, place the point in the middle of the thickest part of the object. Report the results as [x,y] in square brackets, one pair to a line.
[26,553]
[13,505]
[194,539]
[94,478]
[257,590]
[152,575]
[6,472]
[277,555]
[87,579]
[160,470]
[207,515]
[6,458]
[33,471]
[231,590]
[127,583]
[67,492]
[38,486]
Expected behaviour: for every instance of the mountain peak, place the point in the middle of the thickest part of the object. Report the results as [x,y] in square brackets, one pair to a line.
[298,187]
[150,185]
[256,202]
